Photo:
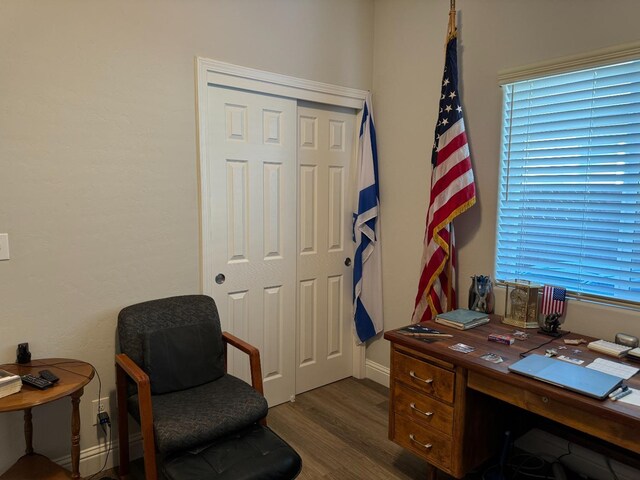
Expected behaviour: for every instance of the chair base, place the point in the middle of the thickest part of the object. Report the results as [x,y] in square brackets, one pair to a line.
[256,453]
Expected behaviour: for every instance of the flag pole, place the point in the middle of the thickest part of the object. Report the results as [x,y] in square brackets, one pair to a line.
[451,32]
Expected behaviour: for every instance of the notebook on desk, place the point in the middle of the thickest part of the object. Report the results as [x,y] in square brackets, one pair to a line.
[566,375]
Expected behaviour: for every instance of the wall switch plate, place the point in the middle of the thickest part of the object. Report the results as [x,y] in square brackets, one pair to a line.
[4,246]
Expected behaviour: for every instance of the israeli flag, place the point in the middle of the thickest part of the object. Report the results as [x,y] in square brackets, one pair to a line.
[367,268]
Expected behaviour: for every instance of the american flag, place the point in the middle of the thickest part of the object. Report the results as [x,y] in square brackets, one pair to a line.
[553,300]
[452,192]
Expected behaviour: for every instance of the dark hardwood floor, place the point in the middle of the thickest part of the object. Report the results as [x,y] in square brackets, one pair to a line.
[340,431]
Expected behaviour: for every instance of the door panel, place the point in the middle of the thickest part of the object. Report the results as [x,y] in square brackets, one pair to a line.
[325,152]
[252,204]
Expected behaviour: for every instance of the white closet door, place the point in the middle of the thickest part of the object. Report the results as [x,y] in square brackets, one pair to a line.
[325,341]
[251,162]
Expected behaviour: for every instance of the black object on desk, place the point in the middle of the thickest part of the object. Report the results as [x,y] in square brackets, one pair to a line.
[37,382]
[551,325]
[49,376]
[23,355]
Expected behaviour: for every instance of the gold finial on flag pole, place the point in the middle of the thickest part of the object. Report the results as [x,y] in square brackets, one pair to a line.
[451,32]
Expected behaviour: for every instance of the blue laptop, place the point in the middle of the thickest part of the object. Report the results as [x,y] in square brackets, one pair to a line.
[566,375]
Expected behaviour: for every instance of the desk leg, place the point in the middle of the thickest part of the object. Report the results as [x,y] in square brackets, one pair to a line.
[75,433]
[28,431]
[432,472]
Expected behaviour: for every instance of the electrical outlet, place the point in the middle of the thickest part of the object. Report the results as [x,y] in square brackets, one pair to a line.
[99,406]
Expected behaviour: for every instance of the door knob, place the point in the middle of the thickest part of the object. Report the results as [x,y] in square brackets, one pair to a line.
[220,278]
[347,261]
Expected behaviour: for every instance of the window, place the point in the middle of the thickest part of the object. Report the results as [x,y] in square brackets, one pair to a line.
[569,199]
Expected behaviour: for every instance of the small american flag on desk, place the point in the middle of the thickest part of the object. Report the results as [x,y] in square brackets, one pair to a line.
[553,300]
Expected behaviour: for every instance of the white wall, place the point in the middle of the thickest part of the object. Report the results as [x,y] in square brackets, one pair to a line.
[408,60]
[98,164]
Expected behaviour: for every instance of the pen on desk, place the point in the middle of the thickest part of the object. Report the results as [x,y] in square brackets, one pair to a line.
[618,390]
[427,335]
[622,394]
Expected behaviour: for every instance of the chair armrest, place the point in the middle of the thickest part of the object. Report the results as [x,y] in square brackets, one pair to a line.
[133,371]
[254,358]
[127,366]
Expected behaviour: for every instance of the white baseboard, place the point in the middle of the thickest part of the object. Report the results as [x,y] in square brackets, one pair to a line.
[378,373]
[94,459]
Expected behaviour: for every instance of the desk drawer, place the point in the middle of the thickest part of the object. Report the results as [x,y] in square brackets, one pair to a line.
[423,409]
[424,376]
[427,443]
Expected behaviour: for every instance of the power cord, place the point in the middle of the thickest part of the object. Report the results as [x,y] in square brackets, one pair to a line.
[104,421]
[524,354]
[569,452]
[521,469]
[608,462]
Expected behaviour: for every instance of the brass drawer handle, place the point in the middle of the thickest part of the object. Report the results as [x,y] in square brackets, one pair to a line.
[423,445]
[413,407]
[413,375]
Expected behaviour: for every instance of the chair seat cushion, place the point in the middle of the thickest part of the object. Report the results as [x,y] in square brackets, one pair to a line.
[189,418]
[253,454]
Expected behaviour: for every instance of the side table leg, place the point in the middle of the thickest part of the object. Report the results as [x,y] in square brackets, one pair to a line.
[75,433]
[28,431]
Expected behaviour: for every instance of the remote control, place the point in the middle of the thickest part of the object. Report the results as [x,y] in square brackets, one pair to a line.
[48,375]
[37,382]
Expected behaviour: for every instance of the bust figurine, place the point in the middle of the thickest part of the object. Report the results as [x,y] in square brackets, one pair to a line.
[481,296]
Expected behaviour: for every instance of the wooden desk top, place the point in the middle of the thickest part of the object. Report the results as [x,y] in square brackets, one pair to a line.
[618,412]
[73,374]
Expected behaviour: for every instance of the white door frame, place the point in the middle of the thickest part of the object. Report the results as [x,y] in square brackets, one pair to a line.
[210,72]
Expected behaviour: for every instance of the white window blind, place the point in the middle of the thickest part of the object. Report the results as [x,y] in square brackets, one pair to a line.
[569,200]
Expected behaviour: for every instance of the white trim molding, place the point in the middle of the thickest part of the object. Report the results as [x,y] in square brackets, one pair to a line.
[102,456]
[595,58]
[214,72]
[378,373]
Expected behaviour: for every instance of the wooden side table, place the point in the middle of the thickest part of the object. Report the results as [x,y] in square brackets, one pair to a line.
[74,375]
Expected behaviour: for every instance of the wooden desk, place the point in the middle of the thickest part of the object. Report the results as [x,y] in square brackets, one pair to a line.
[74,375]
[437,412]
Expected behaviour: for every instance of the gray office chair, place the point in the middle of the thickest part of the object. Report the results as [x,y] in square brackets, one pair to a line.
[197,421]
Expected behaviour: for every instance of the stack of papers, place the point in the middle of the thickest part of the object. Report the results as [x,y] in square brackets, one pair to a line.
[9,383]
[633,399]
[616,369]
